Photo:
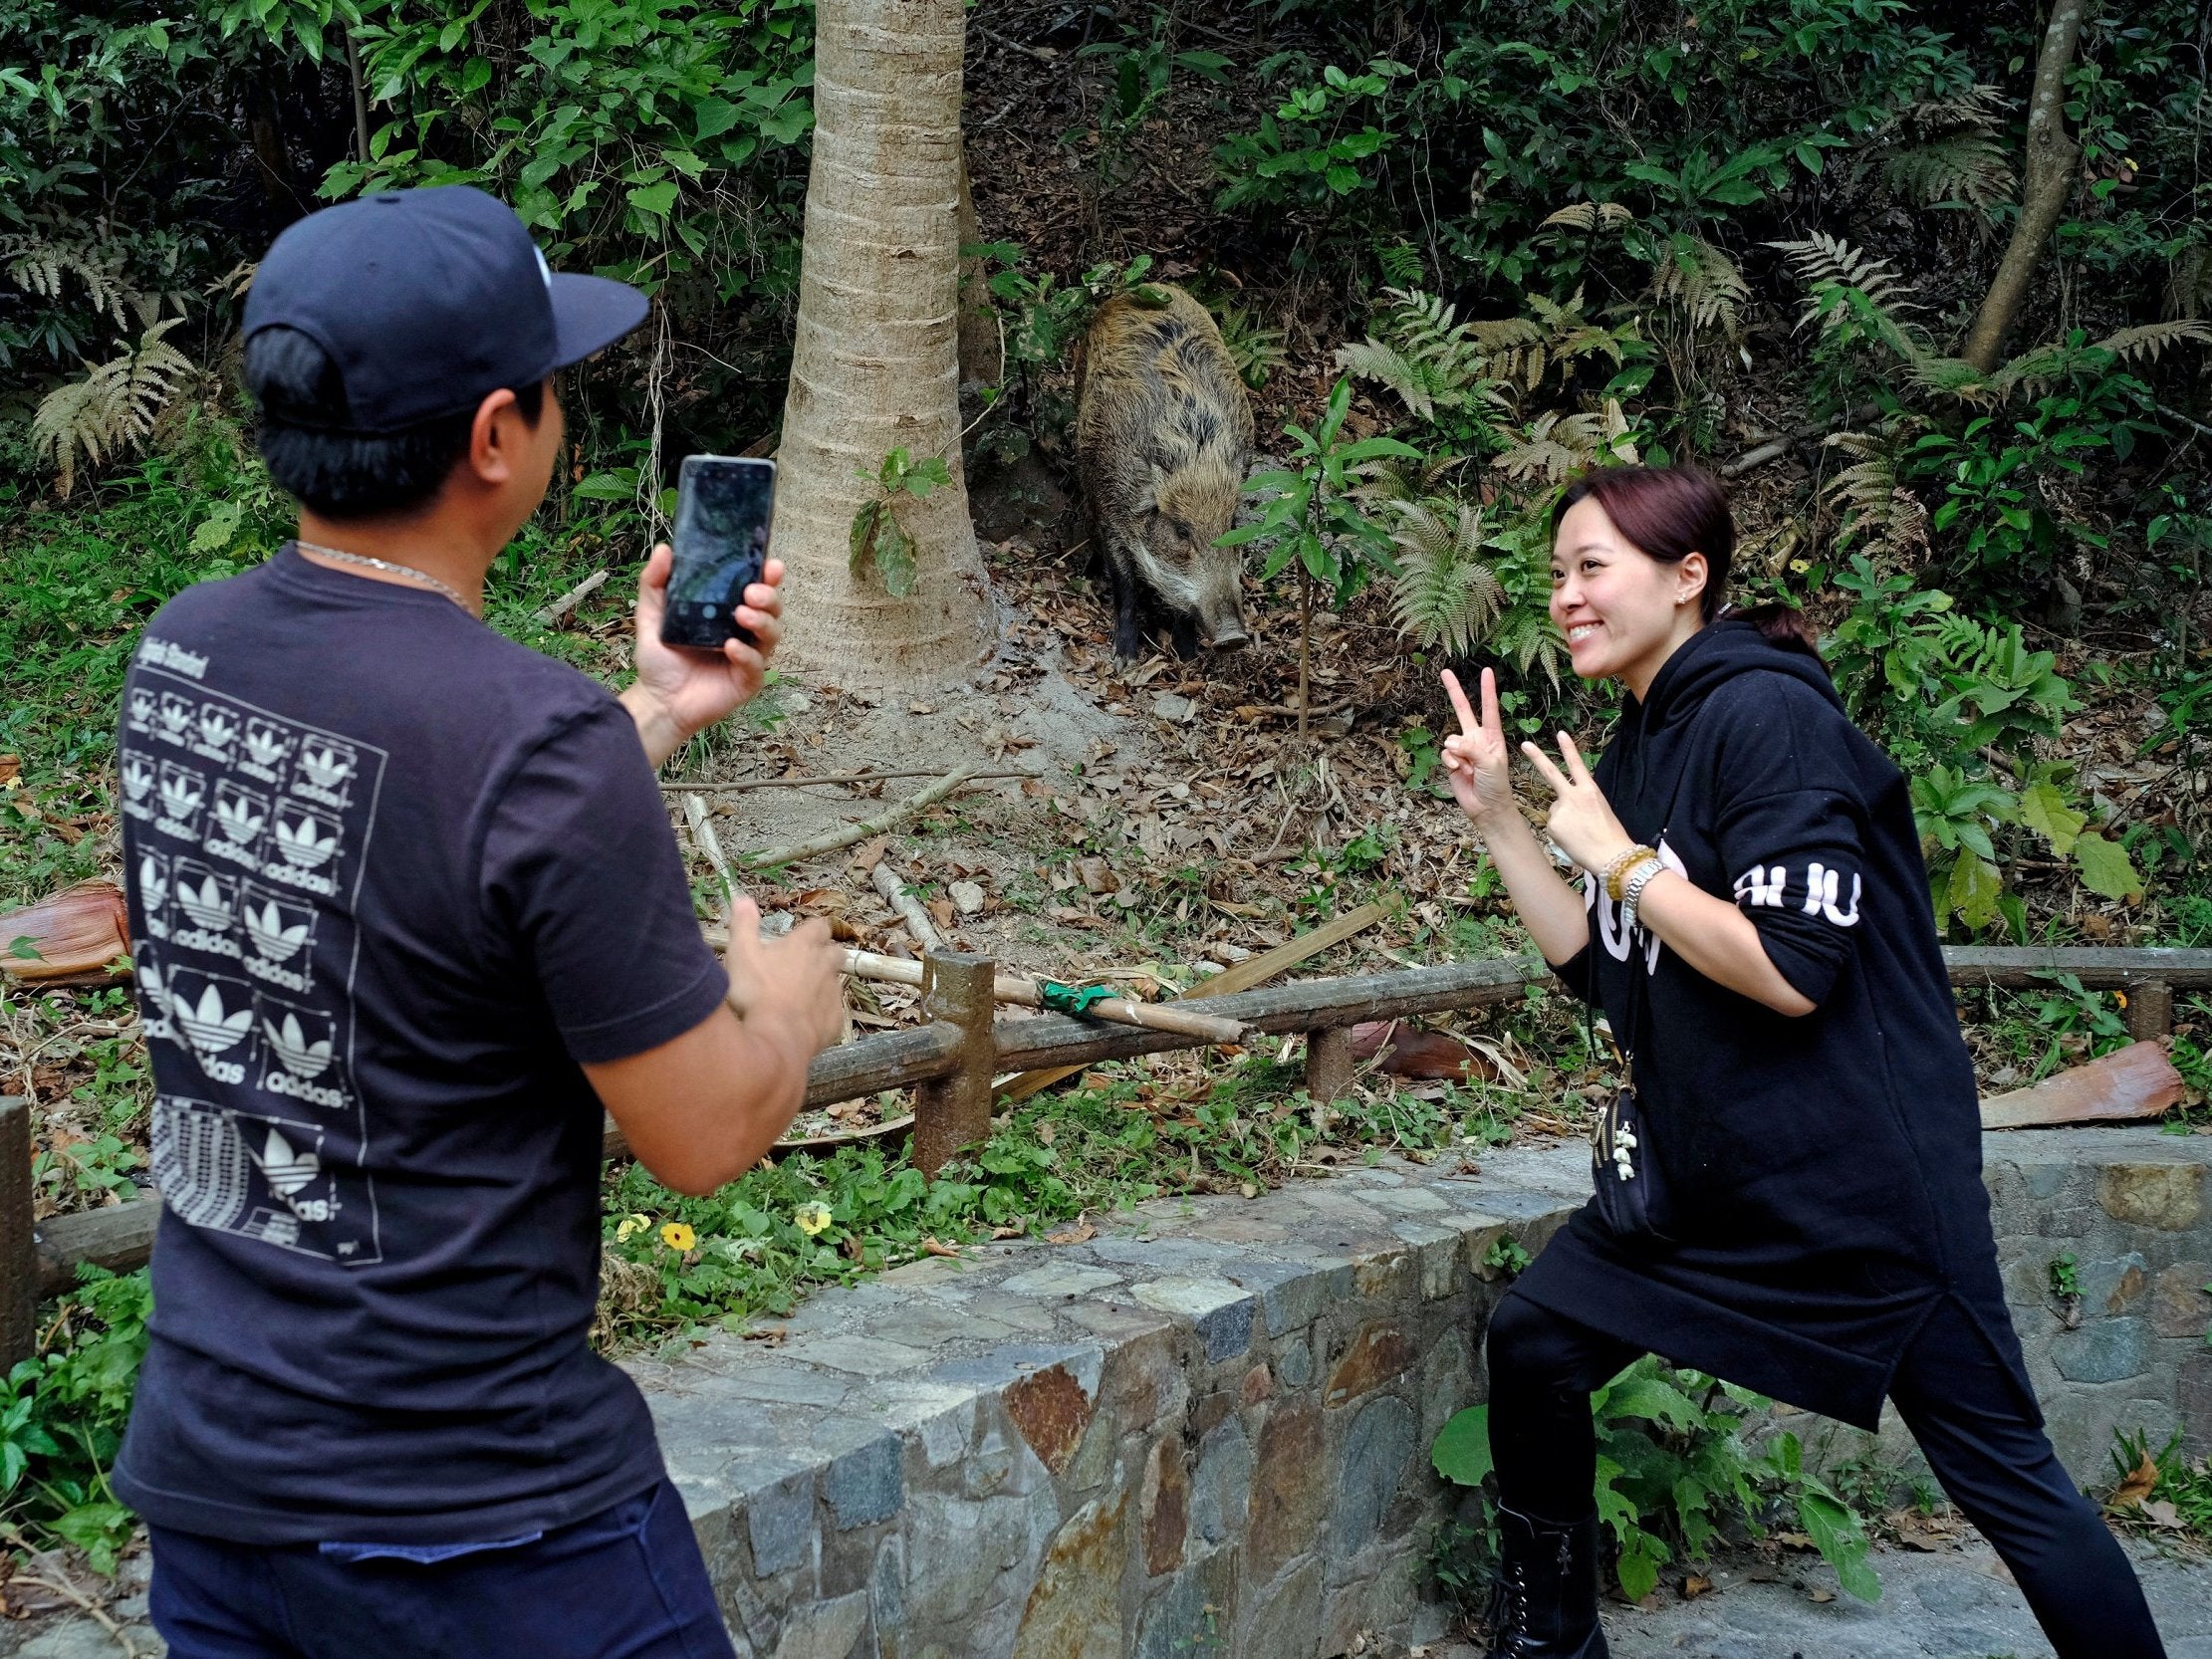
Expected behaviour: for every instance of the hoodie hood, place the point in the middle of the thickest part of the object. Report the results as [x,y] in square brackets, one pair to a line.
[1645,756]
[1713,655]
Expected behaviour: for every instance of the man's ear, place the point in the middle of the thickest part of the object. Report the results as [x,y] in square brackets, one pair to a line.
[492,440]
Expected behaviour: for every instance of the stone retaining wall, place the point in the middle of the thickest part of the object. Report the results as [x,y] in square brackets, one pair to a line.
[2133,1209]
[1204,1430]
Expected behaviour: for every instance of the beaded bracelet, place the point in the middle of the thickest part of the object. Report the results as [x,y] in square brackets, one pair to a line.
[1616,872]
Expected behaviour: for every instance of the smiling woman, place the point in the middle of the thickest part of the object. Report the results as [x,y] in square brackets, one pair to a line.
[1788,1195]
[1622,613]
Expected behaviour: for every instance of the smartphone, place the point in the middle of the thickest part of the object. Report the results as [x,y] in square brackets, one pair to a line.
[725,506]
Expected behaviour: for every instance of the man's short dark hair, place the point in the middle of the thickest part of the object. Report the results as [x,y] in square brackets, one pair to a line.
[305,434]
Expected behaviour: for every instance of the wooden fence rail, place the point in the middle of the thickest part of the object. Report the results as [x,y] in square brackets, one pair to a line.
[950,1060]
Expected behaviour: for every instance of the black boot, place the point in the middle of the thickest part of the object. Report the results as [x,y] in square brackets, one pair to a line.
[1546,1602]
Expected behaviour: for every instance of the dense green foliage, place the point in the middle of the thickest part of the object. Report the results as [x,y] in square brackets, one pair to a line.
[62,1416]
[1680,1459]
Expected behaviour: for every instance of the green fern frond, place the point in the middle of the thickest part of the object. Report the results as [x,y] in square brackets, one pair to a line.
[1531,639]
[1589,216]
[1370,360]
[112,409]
[1702,281]
[1386,481]
[37,262]
[1824,260]
[1971,168]
[2144,343]
[1955,377]
[1402,264]
[1446,595]
[1554,446]
[1258,352]
[1421,354]
[1875,508]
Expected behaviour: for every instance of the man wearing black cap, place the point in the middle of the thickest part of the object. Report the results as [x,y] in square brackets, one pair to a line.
[411,913]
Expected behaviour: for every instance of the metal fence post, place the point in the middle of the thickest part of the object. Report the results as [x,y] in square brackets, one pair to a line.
[19,1261]
[2149,1009]
[1329,1064]
[956,1112]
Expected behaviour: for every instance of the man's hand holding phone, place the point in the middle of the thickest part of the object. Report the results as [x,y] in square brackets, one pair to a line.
[680,690]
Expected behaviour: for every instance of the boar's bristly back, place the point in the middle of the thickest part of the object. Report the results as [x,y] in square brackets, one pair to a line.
[1163,439]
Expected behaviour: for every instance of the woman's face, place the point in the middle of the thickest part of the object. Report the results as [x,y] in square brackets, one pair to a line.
[1622,612]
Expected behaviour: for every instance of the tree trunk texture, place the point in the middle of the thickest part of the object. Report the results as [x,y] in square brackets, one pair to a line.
[2052,161]
[982,354]
[875,360]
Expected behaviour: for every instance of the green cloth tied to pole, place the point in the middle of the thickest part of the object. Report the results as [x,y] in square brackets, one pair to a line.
[1069,998]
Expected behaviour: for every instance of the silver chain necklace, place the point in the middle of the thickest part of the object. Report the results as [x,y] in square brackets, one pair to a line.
[407,570]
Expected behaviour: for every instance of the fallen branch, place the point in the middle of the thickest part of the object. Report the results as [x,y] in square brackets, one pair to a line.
[70,1592]
[1782,443]
[1041,54]
[1028,993]
[568,602]
[802,782]
[898,813]
[909,910]
[708,842]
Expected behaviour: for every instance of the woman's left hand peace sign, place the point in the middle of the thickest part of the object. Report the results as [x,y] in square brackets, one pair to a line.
[1581,819]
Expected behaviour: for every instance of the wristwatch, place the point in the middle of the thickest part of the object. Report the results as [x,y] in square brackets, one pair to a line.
[1631,890]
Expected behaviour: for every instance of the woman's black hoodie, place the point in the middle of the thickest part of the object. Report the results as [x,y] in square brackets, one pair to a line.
[1820,1174]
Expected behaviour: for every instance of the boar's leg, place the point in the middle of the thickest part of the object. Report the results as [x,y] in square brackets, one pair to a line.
[1128,609]
[1184,636]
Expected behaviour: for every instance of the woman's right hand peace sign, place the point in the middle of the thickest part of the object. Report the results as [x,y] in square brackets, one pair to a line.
[1477,762]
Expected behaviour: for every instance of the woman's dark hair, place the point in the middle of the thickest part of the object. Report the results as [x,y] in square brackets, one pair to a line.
[306,436]
[1670,513]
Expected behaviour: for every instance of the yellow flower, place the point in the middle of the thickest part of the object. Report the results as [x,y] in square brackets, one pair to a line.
[2120,997]
[629,1226]
[676,1236]
[812,1218]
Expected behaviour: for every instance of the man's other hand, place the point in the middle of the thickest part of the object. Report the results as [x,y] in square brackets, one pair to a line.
[677,691]
[704,1107]
[792,985]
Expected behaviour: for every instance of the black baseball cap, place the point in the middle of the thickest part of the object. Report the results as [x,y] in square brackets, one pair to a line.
[429,300]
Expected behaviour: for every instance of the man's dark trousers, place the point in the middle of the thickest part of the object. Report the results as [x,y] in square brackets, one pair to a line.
[626,1583]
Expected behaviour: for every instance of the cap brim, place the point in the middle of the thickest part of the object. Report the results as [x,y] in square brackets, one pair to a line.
[590,314]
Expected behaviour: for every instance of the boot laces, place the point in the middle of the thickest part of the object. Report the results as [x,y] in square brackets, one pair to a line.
[1508,1616]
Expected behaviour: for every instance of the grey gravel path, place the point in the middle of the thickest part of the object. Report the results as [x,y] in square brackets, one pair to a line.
[1953,1604]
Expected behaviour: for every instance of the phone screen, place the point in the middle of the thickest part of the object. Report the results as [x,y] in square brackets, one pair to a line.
[725,506]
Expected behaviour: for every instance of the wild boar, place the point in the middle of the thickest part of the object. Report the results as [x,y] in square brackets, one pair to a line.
[1163,437]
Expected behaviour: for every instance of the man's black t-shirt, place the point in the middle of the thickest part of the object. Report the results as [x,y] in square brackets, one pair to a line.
[392,879]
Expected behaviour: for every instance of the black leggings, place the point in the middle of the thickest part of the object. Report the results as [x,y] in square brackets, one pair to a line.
[1994,1462]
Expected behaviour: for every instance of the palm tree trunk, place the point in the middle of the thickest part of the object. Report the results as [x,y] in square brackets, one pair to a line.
[875,363]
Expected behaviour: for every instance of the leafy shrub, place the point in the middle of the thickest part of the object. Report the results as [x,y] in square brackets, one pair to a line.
[1675,1464]
[1944,693]
[63,1414]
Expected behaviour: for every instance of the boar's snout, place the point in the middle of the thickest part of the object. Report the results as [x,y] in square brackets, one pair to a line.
[1230,636]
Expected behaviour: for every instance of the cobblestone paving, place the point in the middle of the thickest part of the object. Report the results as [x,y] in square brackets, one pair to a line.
[1953,1605]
